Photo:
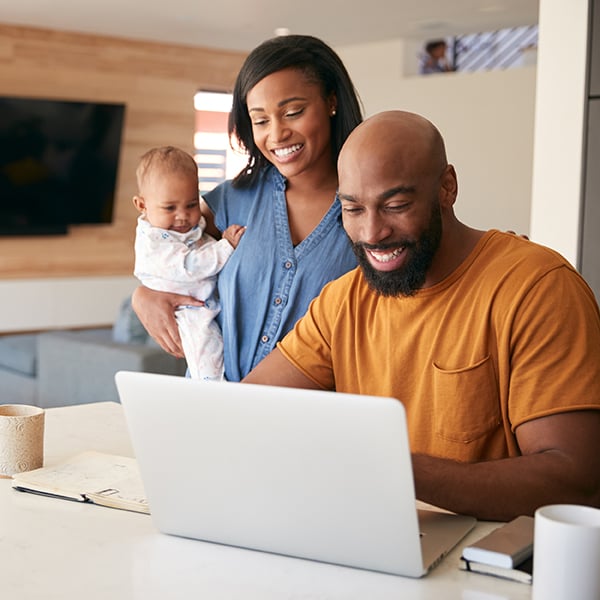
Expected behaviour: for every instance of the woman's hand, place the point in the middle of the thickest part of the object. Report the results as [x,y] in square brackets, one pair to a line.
[521,235]
[156,311]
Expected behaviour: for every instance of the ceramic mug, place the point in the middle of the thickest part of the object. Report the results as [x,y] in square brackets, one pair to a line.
[566,553]
[21,438]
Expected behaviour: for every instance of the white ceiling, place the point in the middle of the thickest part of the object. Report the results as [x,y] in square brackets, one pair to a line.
[242,24]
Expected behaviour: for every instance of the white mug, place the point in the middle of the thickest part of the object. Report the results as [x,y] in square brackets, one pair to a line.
[566,553]
[21,438]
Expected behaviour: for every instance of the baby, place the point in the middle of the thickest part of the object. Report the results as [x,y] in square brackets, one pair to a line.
[172,252]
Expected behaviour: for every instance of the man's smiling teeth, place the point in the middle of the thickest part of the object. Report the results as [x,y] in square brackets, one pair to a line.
[281,152]
[386,256]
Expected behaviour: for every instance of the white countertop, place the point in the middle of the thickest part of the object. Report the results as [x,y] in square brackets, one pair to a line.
[57,549]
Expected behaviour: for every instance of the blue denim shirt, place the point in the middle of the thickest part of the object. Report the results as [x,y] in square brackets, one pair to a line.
[267,284]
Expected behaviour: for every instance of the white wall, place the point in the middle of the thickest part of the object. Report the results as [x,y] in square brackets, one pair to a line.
[559,126]
[55,303]
[486,119]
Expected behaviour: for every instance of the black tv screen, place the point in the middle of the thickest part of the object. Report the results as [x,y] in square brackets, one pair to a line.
[58,164]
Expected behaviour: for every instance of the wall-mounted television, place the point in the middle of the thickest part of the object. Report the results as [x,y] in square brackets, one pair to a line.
[58,163]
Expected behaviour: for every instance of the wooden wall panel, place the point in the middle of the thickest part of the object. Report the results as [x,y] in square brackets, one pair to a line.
[157,83]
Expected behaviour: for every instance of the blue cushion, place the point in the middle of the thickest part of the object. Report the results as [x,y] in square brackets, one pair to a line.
[19,353]
[128,329]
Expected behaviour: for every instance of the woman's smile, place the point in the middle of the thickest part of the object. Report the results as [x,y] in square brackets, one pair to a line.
[288,152]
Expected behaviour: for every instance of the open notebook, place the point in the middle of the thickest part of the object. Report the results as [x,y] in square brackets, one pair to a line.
[311,474]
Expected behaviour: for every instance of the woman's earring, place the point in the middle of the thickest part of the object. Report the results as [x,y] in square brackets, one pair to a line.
[333,111]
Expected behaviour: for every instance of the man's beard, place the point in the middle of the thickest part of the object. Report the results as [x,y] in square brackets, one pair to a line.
[408,279]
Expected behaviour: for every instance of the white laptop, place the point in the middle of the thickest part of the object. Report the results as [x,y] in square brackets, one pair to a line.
[312,474]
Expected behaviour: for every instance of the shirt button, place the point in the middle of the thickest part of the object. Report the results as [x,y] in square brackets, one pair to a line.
[277,300]
[264,338]
[288,264]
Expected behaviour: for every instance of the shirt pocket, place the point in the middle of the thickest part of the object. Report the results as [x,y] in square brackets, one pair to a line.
[466,405]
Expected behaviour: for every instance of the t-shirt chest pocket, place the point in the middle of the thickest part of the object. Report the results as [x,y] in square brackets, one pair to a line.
[466,404]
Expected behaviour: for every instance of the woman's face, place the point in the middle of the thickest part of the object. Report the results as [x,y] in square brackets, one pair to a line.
[291,123]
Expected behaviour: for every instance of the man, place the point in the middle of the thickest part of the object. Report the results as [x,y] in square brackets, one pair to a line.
[491,342]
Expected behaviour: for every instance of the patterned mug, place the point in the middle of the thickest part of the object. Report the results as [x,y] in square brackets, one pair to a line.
[21,438]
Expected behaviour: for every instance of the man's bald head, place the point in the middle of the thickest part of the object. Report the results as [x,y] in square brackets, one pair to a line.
[397,136]
[397,193]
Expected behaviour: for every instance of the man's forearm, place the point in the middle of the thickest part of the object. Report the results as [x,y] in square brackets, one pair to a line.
[502,489]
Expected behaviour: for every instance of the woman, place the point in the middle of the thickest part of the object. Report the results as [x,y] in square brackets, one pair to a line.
[293,107]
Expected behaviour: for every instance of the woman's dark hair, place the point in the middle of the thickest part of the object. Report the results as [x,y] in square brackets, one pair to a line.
[320,64]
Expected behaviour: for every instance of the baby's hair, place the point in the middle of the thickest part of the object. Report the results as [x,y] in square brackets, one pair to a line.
[165,159]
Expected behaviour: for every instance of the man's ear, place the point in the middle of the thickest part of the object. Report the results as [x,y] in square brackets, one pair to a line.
[139,203]
[448,187]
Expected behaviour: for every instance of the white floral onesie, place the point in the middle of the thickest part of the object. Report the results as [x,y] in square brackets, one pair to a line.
[187,263]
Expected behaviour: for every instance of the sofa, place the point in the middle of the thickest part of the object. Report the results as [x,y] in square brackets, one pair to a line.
[66,367]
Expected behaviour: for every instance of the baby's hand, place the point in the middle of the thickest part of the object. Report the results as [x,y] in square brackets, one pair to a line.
[233,234]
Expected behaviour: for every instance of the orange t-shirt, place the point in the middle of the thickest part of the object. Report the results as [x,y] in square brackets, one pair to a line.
[511,335]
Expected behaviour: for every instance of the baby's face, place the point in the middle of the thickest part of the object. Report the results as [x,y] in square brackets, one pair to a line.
[172,202]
